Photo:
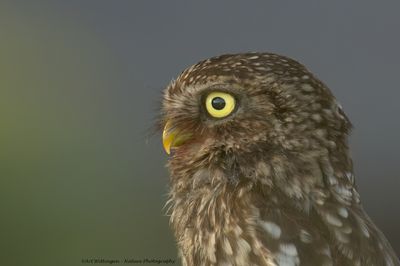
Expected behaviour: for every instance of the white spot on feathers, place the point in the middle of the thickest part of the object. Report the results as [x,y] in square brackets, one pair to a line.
[333,220]
[288,255]
[272,229]
[342,211]
[305,236]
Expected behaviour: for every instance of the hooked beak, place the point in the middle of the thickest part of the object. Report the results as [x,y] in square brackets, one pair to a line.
[173,137]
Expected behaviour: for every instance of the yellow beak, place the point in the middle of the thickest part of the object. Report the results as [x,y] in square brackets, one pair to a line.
[172,137]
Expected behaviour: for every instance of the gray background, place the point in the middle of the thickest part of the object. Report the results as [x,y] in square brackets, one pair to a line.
[80,85]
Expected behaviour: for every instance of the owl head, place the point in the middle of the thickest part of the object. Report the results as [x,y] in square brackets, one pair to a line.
[237,109]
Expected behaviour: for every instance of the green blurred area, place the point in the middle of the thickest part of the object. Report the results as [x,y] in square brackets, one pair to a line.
[73,184]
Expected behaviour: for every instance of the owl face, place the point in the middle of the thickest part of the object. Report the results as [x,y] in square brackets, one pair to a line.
[221,113]
[249,103]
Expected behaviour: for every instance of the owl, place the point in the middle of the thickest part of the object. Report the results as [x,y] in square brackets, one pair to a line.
[260,169]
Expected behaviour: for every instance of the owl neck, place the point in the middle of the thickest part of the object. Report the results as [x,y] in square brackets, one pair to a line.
[291,174]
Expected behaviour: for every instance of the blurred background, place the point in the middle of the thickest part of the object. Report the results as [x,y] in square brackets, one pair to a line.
[80,84]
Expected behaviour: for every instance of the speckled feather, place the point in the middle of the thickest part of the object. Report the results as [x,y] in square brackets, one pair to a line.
[272,183]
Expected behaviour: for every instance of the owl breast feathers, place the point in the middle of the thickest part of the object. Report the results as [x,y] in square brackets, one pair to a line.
[260,168]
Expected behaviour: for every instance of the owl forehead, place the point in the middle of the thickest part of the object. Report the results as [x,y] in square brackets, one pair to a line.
[239,68]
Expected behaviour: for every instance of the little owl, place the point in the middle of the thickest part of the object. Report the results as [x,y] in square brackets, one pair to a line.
[260,168]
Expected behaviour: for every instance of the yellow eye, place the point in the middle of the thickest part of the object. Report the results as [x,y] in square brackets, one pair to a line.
[220,104]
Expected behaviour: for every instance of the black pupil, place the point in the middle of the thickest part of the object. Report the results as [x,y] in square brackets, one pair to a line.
[218,103]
